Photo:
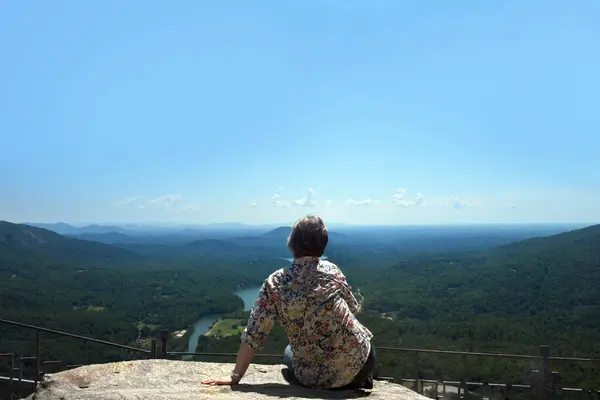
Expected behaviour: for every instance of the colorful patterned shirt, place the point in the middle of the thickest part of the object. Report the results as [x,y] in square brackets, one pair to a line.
[314,304]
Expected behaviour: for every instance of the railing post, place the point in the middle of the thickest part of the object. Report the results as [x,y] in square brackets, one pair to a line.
[164,334]
[153,348]
[486,390]
[546,374]
[12,372]
[463,379]
[85,351]
[417,380]
[20,372]
[38,355]
[555,378]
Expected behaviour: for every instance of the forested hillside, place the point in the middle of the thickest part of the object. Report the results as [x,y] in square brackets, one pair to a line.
[104,291]
[510,298]
[21,244]
[536,291]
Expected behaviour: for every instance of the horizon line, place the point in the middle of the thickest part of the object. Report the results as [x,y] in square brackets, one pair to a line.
[282,224]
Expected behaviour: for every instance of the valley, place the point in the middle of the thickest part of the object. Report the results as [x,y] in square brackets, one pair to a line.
[207,325]
[478,289]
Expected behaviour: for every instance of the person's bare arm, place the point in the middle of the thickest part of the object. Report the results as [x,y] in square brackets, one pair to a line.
[244,358]
[260,324]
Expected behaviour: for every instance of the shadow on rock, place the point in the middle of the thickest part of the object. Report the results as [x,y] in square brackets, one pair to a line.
[283,390]
[295,389]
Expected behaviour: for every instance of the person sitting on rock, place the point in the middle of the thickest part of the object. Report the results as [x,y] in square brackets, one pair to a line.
[311,300]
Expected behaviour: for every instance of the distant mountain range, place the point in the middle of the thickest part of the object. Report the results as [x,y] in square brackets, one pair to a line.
[152,233]
[232,229]
[24,243]
[482,288]
[101,243]
[342,238]
[66,229]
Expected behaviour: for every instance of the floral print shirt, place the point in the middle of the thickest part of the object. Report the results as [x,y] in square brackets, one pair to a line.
[314,304]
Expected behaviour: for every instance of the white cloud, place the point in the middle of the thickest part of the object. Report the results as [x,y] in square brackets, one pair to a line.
[365,202]
[128,201]
[328,202]
[399,195]
[513,205]
[419,199]
[252,204]
[306,201]
[398,198]
[458,203]
[167,201]
[276,199]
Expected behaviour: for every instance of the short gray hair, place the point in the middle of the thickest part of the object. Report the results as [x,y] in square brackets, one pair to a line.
[308,237]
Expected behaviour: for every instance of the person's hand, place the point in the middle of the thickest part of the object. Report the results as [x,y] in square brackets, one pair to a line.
[227,380]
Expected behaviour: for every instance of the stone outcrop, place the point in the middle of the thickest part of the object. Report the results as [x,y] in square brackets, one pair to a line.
[164,379]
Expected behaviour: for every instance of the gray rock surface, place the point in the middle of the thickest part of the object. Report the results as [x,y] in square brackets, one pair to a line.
[164,379]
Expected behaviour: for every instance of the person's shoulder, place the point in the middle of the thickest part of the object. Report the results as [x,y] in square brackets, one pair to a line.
[327,263]
[278,273]
[329,267]
[276,277]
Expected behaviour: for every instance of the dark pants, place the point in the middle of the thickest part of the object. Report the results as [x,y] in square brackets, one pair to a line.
[360,380]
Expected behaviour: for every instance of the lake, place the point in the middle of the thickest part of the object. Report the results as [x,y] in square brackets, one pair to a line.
[202,326]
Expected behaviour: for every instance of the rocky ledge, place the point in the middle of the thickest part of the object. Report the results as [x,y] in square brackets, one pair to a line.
[164,379]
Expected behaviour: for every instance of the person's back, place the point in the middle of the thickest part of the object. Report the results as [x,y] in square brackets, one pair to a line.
[313,303]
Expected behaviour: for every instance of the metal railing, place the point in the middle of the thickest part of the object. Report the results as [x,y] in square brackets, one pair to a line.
[544,381]
[20,360]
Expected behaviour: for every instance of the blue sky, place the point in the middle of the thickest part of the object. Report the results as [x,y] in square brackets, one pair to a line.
[370,112]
